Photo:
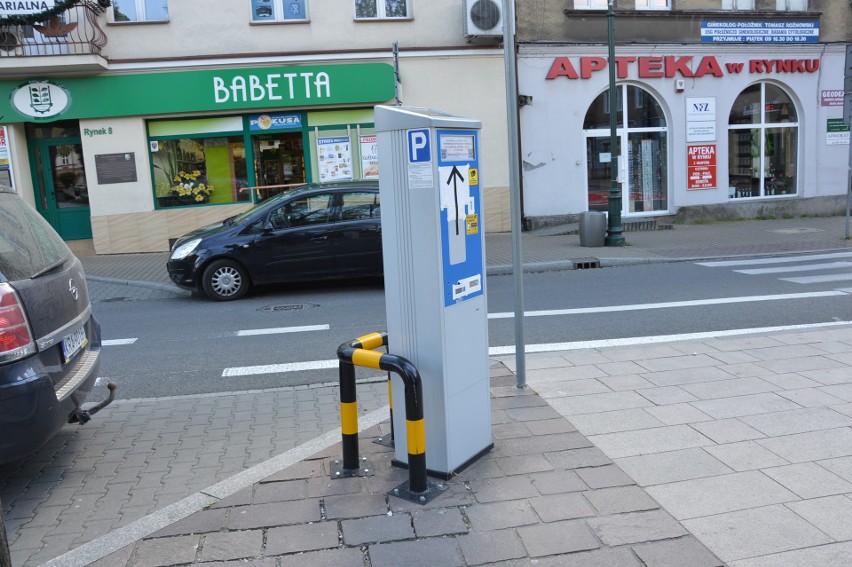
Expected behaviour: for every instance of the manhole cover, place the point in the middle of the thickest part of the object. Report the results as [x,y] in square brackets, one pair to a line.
[801,230]
[291,307]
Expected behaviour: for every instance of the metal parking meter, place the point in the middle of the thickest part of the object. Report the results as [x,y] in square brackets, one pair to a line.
[434,262]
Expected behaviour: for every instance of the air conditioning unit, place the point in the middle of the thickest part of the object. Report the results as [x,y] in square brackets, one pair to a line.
[483,19]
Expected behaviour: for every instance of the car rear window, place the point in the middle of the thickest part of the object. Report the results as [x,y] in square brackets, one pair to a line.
[28,244]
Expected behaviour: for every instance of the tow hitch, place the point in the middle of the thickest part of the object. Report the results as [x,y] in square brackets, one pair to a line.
[82,416]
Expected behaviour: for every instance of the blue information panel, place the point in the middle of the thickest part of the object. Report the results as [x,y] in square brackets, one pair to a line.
[457,152]
[759,32]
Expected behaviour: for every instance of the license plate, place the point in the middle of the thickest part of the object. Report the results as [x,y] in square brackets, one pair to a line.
[72,344]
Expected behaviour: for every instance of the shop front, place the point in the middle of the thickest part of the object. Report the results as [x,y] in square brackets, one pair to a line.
[728,128]
[134,160]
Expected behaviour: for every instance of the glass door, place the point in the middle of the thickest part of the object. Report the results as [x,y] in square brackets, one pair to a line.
[63,192]
[599,160]
[279,162]
[646,178]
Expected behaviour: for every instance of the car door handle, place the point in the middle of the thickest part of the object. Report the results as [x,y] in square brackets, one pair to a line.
[319,238]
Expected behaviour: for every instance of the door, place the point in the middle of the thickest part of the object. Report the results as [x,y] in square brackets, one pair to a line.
[296,242]
[357,234]
[63,197]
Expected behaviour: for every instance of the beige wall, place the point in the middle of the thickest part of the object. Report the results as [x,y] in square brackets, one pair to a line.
[221,27]
[111,136]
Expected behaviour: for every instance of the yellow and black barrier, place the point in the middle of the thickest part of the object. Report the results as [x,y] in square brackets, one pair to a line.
[359,352]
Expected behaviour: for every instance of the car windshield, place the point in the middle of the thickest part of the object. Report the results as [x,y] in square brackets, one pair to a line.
[264,206]
[28,245]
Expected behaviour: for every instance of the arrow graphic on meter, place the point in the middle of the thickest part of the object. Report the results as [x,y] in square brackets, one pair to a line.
[456,200]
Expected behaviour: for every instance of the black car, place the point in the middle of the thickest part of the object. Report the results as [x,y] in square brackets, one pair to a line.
[311,232]
[50,342]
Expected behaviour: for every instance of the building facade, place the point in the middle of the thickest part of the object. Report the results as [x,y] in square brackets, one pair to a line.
[724,108]
[128,125]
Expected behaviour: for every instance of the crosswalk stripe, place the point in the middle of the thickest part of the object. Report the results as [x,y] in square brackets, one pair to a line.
[819,279]
[784,260]
[804,268]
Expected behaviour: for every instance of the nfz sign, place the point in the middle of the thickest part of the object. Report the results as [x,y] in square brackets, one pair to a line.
[419,150]
[700,109]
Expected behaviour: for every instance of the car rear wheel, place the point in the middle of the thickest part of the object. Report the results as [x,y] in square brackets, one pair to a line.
[225,280]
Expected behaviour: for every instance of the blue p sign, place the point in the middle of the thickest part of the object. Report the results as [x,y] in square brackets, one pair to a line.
[418,146]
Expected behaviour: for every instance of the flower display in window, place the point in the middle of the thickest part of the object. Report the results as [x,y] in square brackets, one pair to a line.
[192,185]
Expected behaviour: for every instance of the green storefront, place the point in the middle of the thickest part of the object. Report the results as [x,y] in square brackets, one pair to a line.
[211,137]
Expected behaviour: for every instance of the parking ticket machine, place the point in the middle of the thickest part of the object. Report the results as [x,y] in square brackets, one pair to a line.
[435,292]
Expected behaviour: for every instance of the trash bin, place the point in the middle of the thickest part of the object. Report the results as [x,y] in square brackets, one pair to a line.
[592,228]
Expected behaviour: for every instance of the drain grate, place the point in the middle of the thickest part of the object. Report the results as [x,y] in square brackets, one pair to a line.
[586,263]
[290,307]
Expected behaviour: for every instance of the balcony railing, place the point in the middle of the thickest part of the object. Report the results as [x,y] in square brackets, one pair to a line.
[74,32]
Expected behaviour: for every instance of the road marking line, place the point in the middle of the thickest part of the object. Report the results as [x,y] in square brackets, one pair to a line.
[118,342]
[668,305]
[274,368]
[280,330]
[549,347]
[784,260]
[803,268]
[635,341]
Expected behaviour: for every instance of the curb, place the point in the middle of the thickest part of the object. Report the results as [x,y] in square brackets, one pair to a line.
[141,283]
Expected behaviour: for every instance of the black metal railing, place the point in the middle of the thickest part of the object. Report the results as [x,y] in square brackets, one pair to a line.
[74,32]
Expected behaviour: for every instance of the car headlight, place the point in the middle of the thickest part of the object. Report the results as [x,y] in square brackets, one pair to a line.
[185,249]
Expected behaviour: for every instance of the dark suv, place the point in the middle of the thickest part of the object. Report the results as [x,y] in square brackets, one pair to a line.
[50,343]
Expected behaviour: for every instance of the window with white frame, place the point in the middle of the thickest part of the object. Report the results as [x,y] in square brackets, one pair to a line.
[653,4]
[791,5]
[738,4]
[590,4]
[382,9]
[140,10]
[279,10]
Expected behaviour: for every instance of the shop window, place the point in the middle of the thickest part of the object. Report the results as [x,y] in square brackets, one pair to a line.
[763,143]
[653,5]
[590,4]
[382,9]
[279,10]
[642,146]
[738,4]
[198,171]
[140,10]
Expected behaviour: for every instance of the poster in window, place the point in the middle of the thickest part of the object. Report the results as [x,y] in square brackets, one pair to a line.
[334,156]
[369,157]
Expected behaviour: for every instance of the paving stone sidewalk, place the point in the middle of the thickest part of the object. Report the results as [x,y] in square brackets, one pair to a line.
[543,496]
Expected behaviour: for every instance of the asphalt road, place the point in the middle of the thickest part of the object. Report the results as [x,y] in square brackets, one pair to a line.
[162,345]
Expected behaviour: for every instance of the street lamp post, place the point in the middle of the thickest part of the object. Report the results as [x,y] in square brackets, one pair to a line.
[614,231]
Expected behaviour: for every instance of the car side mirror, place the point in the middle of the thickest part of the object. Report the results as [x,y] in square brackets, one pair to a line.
[267,226]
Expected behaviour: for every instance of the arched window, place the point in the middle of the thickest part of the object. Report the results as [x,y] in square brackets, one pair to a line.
[643,141]
[763,143]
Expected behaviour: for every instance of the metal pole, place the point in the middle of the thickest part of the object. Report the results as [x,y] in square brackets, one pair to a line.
[512,120]
[614,231]
[847,119]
